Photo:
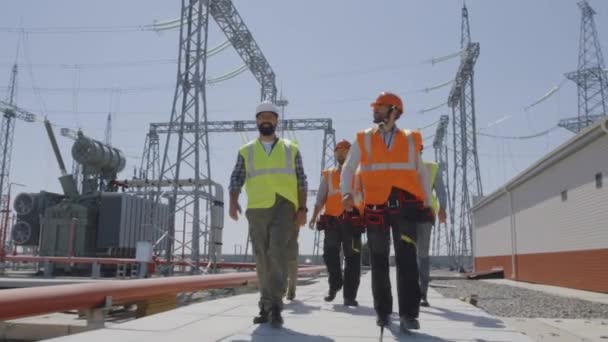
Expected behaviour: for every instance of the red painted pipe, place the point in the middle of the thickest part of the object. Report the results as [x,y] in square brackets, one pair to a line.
[117,261]
[17,303]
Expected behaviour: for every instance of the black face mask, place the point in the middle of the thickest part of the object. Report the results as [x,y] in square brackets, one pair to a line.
[266,129]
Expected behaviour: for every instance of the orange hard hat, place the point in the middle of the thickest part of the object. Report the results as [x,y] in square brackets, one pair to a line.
[390,99]
[342,144]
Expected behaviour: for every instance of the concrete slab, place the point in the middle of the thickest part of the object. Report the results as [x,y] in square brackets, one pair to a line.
[309,318]
[561,330]
[586,330]
[597,297]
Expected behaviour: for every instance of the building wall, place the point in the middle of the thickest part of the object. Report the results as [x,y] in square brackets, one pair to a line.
[545,223]
[550,240]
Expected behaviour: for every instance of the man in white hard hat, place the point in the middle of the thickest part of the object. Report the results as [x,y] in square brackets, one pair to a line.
[273,174]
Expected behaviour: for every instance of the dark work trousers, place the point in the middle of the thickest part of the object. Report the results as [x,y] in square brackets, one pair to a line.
[402,222]
[270,230]
[339,234]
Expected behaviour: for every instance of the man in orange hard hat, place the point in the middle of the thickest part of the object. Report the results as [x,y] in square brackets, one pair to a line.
[394,194]
[342,230]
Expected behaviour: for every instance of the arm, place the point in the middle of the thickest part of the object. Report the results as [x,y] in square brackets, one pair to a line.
[346,178]
[423,178]
[320,202]
[302,190]
[349,168]
[302,181]
[237,180]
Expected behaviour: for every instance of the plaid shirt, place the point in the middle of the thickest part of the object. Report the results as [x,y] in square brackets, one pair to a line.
[239,175]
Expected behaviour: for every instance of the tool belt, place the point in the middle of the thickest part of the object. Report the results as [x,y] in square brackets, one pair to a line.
[354,220]
[399,203]
[427,215]
[327,222]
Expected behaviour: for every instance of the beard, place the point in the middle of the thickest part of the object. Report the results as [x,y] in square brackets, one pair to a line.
[266,129]
[379,118]
[341,160]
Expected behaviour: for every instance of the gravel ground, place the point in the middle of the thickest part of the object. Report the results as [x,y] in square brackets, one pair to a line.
[510,301]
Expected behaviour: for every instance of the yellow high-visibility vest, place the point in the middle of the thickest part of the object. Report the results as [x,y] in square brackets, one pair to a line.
[269,175]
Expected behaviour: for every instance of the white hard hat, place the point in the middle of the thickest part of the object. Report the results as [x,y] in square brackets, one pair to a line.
[266,107]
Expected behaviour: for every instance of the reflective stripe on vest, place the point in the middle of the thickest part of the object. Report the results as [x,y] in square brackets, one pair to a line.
[383,169]
[410,165]
[287,170]
[269,175]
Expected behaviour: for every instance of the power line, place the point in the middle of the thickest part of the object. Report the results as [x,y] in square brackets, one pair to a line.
[104,65]
[76,29]
[523,137]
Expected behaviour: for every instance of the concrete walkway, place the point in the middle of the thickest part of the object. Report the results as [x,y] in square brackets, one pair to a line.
[308,318]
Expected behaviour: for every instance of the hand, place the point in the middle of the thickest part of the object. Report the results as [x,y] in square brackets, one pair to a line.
[348,202]
[442,216]
[234,211]
[312,223]
[300,218]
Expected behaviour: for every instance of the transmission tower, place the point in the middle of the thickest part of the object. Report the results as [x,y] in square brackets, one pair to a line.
[590,77]
[185,160]
[188,155]
[7,133]
[466,175]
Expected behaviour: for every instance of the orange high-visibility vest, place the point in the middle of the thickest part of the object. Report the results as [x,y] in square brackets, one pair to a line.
[333,203]
[383,169]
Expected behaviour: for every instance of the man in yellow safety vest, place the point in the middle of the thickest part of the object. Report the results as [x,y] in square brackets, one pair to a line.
[273,174]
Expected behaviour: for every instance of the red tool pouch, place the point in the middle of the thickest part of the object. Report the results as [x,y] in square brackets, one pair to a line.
[355,221]
[325,222]
[374,216]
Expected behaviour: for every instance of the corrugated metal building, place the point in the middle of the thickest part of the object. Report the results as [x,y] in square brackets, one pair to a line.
[549,224]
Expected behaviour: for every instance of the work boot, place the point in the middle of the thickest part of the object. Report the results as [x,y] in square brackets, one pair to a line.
[383,320]
[276,321]
[331,295]
[424,302]
[261,318]
[291,295]
[350,302]
[408,324]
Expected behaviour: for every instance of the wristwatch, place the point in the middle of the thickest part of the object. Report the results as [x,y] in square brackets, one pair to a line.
[304,209]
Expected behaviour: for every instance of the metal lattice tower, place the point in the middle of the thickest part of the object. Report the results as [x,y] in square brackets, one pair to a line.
[185,160]
[187,155]
[150,161]
[7,133]
[230,22]
[590,77]
[442,234]
[466,175]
